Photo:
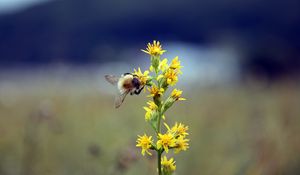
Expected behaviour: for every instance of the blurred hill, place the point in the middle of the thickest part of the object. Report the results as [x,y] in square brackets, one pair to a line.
[94,31]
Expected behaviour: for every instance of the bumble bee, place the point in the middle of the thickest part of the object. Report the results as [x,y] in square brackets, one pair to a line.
[127,83]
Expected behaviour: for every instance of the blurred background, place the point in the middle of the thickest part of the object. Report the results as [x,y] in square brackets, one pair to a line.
[241,78]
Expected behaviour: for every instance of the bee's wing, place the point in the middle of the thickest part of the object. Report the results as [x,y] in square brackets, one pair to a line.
[120,98]
[112,79]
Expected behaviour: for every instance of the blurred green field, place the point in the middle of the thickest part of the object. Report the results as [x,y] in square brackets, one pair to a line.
[234,131]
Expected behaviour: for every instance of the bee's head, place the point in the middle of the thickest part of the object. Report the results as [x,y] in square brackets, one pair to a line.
[136,83]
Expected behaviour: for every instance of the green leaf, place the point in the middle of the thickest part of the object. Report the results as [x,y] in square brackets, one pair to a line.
[153,121]
[167,104]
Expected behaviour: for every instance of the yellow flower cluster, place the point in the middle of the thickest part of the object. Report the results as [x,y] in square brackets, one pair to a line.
[145,143]
[165,75]
[176,95]
[168,165]
[178,129]
[166,141]
[154,49]
[150,110]
[155,91]
[174,138]
[179,132]
[170,72]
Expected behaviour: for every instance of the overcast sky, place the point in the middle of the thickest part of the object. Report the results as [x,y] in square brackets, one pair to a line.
[8,6]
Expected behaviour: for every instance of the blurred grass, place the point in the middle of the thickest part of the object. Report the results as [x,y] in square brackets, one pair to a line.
[238,130]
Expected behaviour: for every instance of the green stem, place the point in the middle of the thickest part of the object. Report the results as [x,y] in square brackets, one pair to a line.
[159,152]
[155,62]
[158,121]
[157,101]
[159,162]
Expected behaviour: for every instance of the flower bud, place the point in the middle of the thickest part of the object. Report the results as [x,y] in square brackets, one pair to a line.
[155,62]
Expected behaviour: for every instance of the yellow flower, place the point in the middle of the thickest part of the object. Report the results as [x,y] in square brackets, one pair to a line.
[176,94]
[163,65]
[168,166]
[145,143]
[154,49]
[166,141]
[150,110]
[142,76]
[175,64]
[179,129]
[181,144]
[155,91]
[148,114]
[152,105]
[171,77]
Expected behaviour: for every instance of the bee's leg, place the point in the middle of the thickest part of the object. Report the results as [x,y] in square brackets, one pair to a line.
[131,93]
[138,91]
